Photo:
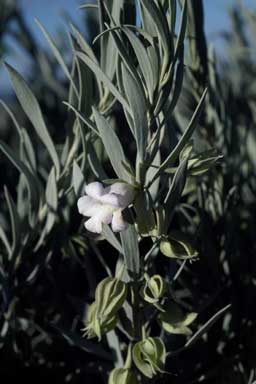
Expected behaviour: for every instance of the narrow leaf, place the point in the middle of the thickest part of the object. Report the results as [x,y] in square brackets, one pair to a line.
[153,189]
[103,77]
[76,340]
[30,179]
[184,138]
[29,150]
[138,105]
[82,117]
[95,164]
[51,197]
[111,238]
[130,245]
[112,146]
[5,241]
[77,179]
[114,345]
[159,20]
[182,30]
[206,326]
[143,60]
[83,44]
[32,109]
[58,56]
[15,222]
[11,114]
[174,194]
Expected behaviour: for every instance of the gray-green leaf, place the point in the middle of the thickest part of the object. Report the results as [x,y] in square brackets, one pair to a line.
[32,109]
[138,105]
[112,146]
[51,197]
[130,245]
[77,179]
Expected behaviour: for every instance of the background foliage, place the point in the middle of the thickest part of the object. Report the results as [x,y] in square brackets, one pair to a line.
[50,266]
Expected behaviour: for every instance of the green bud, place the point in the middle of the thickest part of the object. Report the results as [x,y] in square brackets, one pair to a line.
[177,246]
[149,356]
[197,164]
[186,151]
[202,162]
[173,320]
[110,295]
[98,324]
[154,289]
[122,376]
[102,314]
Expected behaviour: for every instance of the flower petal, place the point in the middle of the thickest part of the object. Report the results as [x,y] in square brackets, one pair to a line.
[87,206]
[94,224]
[103,215]
[119,188]
[125,193]
[110,199]
[94,189]
[118,224]
[106,214]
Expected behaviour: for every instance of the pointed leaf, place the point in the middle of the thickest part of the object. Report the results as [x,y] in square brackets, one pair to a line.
[15,222]
[95,164]
[184,138]
[5,241]
[32,109]
[143,60]
[138,105]
[51,197]
[76,340]
[29,150]
[103,77]
[177,186]
[112,146]
[206,326]
[58,56]
[30,178]
[77,179]
[182,30]
[111,238]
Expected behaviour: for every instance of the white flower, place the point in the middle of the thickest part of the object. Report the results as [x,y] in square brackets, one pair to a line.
[105,205]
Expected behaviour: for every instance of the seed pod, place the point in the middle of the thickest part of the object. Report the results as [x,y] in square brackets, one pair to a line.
[177,246]
[122,376]
[110,295]
[154,289]
[149,356]
[98,324]
[173,320]
[102,314]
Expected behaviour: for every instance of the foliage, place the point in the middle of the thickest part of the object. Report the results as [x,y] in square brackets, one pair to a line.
[143,105]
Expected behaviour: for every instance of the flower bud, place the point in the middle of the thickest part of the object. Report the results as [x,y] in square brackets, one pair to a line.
[102,315]
[122,376]
[149,356]
[173,320]
[202,162]
[154,289]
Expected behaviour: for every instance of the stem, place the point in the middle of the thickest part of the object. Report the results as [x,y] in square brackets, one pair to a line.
[136,311]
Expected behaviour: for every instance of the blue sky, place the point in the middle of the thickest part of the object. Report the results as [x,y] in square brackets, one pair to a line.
[50,13]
